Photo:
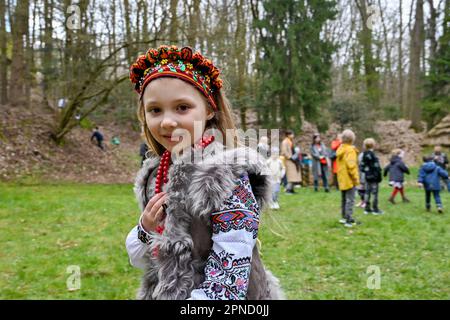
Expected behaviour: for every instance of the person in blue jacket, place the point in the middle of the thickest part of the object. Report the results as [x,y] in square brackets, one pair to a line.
[429,177]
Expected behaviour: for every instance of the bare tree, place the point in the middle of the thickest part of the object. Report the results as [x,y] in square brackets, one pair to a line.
[371,74]
[3,55]
[400,58]
[19,31]
[415,76]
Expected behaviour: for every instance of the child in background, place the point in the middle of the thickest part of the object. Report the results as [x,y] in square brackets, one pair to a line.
[430,175]
[441,160]
[370,166]
[361,188]
[348,176]
[397,169]
[277,172]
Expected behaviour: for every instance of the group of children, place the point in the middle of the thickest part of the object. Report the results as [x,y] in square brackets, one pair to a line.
[361,172]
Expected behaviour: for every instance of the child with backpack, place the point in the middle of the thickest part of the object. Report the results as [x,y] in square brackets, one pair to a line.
[429,177]
[370,167]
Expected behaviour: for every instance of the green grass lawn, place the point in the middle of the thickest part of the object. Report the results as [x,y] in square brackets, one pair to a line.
[47,228]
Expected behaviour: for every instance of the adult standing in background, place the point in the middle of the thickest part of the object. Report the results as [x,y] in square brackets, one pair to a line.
[321,162]
[293,174]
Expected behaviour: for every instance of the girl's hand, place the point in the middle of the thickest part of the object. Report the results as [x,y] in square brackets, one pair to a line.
[153,213]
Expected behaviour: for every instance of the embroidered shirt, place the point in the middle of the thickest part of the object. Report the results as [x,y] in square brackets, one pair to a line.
[235,228]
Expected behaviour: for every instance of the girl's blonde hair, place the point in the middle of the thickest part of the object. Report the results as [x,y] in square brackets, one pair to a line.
[396,152]
[369,143]
[348,136]
[222,121]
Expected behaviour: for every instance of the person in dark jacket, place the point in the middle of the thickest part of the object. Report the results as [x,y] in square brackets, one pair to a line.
[99,137]
[440,158]
[397,169]
[321,162]
[370,167]
[430,175]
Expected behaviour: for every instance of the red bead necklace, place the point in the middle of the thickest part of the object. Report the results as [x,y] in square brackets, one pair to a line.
[163,170]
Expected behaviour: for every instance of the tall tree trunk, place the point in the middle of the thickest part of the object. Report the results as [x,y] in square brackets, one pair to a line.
[173,36]
[19,27]
[240,52]
[3,56]
[431,35]
[388,85]
[371,74]
[113,35]
[48,50]
[128,36]
[415,77]
[145,35]
[400,59]
[138,21]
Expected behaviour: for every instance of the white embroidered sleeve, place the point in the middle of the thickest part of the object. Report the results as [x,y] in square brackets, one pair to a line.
[138,251]
[235,228]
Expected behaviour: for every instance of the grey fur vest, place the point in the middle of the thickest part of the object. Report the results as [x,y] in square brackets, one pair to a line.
[195,190]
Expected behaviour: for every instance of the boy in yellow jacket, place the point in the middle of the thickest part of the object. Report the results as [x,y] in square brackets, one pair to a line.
[347,175]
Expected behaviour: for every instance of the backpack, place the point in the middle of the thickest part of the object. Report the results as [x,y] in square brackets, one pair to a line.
[372,170]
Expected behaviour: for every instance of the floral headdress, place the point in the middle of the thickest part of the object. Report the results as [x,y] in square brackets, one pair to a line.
[180,63]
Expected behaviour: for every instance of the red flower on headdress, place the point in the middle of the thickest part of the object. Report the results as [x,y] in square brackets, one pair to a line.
[152,55]
[135,73]
[163,52]
[207,65]
[217,83]
[197,57]
[174,54]
[214,73]
[141,62]
[186,54]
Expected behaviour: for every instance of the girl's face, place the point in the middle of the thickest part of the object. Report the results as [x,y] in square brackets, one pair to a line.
[317,139]
[172,104]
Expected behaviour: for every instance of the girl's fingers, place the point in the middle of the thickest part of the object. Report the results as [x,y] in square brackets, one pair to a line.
[159,216]
[158,204]
[153,200]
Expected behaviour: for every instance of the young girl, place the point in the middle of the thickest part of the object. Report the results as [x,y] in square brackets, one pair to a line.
[277,172]
[397,169]
[196,236]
